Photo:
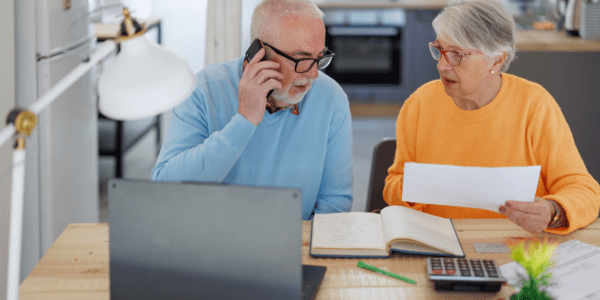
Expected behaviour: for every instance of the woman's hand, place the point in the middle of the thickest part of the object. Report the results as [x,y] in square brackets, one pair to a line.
[532,216]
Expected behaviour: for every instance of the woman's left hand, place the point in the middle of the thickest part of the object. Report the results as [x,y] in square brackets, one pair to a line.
[532,216]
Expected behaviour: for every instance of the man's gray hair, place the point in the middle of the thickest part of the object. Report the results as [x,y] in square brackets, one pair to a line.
[269,12]
[484,25]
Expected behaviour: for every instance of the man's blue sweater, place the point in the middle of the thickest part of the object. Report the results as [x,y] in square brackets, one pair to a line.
[208,141]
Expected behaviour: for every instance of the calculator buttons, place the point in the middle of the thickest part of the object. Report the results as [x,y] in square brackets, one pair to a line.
[465,274]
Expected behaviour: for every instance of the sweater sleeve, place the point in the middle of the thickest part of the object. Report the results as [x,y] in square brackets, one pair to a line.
[192,152]
[406,144]
[563,171]
[335,192]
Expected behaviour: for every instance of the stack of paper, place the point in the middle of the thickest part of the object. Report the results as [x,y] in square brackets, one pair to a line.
[575,275]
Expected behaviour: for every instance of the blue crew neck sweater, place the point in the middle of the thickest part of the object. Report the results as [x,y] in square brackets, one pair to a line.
[208,141]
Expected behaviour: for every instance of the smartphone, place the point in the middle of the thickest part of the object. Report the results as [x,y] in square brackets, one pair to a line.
[252,50]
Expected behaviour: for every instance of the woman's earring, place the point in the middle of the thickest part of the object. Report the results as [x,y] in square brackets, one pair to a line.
[493,71]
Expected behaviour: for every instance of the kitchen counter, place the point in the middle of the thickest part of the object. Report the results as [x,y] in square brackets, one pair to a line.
[526,40]
[404,4]
[553,41]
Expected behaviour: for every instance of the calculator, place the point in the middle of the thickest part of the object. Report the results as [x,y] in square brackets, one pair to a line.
[467,275]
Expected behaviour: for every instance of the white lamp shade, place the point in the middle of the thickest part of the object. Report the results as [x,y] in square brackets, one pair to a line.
[144,80]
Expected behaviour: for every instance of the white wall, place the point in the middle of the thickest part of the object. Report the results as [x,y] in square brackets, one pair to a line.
[247,9]
[7,102]
[184,28]
[183,23]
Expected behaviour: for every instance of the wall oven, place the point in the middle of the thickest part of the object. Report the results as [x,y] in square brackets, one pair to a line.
[380,55]
[365,54]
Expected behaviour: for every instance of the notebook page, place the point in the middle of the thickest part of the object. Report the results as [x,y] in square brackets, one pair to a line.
[352,230]
[404,222]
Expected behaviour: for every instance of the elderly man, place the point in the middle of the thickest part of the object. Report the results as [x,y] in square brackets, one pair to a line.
[300,136]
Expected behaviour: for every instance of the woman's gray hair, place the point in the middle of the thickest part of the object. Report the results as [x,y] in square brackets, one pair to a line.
[484,25]
[269,12]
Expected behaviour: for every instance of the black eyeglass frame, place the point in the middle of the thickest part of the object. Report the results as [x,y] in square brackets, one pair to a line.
[328,54]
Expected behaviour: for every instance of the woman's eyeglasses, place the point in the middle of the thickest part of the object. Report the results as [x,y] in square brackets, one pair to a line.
[452,57]
[303,65]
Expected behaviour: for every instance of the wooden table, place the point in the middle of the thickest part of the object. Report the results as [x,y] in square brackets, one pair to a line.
[77,265]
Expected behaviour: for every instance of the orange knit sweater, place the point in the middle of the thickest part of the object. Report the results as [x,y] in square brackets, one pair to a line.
[522,126]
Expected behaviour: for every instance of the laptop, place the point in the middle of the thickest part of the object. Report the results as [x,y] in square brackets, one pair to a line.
[173,240]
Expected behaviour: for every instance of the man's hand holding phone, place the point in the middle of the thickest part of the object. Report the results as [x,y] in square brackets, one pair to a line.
[258,79]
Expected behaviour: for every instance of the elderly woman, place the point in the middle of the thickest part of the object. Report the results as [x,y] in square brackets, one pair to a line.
[477,115]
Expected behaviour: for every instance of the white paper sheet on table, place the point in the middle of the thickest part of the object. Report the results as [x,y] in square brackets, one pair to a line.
[475,187]
[575,274]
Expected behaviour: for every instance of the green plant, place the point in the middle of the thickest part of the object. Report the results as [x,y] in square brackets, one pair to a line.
[535,258]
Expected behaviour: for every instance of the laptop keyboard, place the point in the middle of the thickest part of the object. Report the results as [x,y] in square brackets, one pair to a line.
[312,276]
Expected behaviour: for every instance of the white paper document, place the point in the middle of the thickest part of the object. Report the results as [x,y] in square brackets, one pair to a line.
[575,275]
[475,187]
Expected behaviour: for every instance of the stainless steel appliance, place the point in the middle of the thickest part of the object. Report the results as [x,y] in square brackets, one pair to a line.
[365,54]
[62,153]
[380,55]
[590,20]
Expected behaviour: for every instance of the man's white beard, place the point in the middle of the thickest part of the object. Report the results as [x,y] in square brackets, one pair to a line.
[284,95]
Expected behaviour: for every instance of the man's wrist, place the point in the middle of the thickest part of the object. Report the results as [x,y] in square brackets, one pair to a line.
[254,121]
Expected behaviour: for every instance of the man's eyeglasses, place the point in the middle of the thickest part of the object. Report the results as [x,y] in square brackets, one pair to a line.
[303,65]
[452,57]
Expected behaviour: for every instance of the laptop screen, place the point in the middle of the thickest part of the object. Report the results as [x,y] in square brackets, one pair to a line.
[203,241]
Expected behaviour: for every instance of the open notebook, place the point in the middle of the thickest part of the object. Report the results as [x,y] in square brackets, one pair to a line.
[397,228]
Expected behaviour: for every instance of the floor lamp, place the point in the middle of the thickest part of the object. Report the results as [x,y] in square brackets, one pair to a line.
[144,80]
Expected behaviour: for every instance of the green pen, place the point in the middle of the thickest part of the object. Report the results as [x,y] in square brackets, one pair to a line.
[373,268]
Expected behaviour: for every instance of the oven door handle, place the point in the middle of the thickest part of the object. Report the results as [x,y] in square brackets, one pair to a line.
[362,31]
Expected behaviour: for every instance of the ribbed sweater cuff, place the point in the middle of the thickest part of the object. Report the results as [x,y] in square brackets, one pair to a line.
[240,130]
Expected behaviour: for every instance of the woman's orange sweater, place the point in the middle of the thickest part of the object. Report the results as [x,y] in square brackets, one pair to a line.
[522,126]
